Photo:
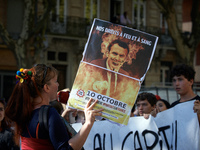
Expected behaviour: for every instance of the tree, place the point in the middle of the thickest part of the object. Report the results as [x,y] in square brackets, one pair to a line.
[32,34]
[186,46]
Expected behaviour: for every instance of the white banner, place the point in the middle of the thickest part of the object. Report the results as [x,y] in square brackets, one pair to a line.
[175,129]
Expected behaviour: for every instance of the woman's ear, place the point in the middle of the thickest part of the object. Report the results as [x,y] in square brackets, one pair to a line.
[46,88]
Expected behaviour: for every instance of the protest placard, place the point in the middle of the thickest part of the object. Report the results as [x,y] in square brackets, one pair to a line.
[175,129]
[115,61]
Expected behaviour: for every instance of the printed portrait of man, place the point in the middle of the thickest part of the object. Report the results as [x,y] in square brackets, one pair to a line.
[116,57]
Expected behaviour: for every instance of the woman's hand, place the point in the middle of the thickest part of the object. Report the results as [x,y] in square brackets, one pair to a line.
[90,113]
[79,139]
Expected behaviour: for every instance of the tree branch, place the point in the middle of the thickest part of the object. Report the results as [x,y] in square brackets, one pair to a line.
[160,6]
[6,37]
[49,4]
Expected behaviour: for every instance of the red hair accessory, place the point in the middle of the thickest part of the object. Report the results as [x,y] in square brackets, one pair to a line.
[158,97]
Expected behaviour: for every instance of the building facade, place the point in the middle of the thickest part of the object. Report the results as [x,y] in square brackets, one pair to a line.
[68,30]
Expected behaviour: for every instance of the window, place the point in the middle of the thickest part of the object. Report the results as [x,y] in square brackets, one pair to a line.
[163,24]
[139,13]
[116,10]
[91,9]
[51,55]
[57,56]
[59,59]
[62,56]
[59,12]
[62,76]
[165,73]
[59,17]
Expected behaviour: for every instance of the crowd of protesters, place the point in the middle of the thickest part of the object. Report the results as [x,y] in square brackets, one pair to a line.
[19,120]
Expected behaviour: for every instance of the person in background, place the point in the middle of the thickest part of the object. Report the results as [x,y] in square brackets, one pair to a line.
[57,105]
[146,103]
[71,115]
[183,79]
[68,114]
[124,20]
[6,134]
[37,87]
[116,19]
[162,105]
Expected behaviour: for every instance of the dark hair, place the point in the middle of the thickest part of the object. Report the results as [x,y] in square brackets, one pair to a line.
[167,104]
[120,43]
[2,100]
[183,69]
[151,98]
[133,108]
[57,105]
[4,123]
[20,105]
[125,14]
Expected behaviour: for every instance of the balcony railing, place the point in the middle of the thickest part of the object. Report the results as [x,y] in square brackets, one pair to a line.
[71,26]
[80,27]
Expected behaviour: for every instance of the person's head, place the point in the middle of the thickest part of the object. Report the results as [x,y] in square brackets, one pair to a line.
[2,110]
[57,105]
[182,78]
[39,82]
[162,105]
[118,52]
[125,14]
[145,102]
[4,122]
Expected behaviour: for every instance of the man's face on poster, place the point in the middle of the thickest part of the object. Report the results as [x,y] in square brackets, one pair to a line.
[116,57]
